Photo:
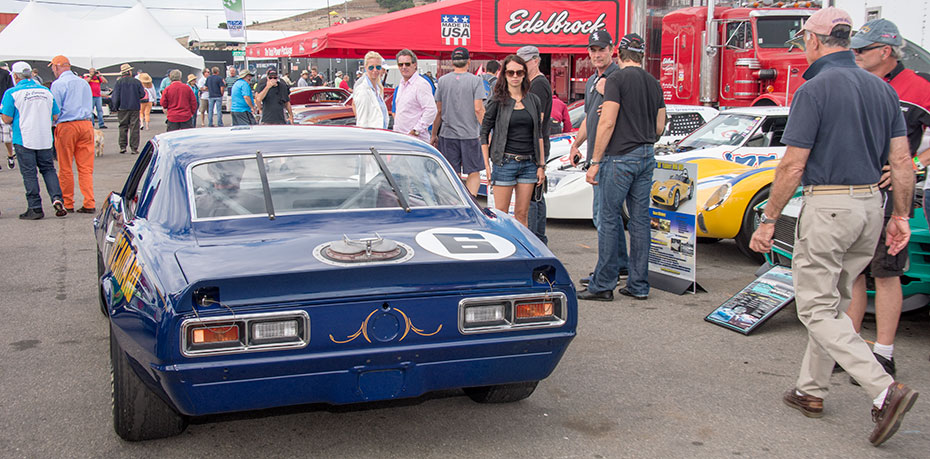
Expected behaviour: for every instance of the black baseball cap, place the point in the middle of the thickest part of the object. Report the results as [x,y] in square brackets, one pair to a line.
[460,53]
[600,38]
[632,42]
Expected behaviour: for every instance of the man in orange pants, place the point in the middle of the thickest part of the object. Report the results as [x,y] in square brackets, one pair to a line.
[74,134]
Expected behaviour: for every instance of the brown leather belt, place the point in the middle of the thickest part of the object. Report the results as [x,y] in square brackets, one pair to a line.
[839,189]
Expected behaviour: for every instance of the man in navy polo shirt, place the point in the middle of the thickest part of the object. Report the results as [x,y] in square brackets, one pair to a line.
[845,124]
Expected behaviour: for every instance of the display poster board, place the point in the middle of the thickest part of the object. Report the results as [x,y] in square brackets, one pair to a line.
[672,219]
[755,303]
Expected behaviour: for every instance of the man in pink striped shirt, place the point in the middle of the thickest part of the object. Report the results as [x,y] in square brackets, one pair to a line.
[415,106]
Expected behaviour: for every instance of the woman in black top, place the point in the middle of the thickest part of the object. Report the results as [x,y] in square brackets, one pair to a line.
[516,148]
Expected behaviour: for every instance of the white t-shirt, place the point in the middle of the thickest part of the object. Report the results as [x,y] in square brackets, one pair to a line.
[201,82]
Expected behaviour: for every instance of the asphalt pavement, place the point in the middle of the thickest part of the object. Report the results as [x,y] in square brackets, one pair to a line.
[642,378]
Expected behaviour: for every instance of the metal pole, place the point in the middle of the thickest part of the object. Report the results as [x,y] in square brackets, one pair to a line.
[329,18]
[245,38]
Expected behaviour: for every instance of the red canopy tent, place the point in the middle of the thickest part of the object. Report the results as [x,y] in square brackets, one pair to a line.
[488,28]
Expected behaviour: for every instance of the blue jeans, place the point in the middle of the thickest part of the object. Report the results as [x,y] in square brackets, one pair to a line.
[595,217]
[44,160]
[218,103]
[536,219]
[98,111]
[624,178]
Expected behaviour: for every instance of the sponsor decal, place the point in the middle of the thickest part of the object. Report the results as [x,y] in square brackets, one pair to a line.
[554,23]
[465,244]
[455,29]
[125,269]
[749,159]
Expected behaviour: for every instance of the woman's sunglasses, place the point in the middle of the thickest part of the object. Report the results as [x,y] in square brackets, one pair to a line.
[515,73]
[372,67]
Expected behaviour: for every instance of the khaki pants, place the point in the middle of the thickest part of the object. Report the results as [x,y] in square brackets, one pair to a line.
[836,238]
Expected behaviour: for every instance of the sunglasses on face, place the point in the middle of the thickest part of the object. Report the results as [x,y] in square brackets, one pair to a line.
[515,73]
[372,67]
[405,64]
[869,48]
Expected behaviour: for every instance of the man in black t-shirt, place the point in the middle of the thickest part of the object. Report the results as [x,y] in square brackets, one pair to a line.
[632,118]
[274,99]
[315,78]
[539,85]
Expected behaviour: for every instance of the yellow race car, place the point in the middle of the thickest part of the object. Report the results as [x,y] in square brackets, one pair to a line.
[727,192]
[669,193]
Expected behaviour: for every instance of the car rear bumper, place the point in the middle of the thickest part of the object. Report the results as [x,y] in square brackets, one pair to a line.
[274,379]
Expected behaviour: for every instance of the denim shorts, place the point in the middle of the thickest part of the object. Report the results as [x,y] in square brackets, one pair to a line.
[511,172]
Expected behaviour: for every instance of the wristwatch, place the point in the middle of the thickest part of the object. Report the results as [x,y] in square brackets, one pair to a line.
[415,132]
[764,219]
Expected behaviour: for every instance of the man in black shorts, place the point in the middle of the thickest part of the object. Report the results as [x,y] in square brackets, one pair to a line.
[459,111]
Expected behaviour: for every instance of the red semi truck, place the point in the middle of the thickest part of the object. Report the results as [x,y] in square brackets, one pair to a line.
[743,61]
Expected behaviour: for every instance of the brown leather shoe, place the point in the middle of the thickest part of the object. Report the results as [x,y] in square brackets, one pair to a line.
[808,405]
[898,401]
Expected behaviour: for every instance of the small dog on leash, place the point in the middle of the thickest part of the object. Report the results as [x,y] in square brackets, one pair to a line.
[98,142]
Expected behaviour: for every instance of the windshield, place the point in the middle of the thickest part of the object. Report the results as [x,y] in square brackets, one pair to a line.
[774,32]
[725,129]
[311,183]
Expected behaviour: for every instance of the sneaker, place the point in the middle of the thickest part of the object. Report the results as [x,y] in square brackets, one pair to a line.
[102,127]
[888,365]
[32,214]
[11,161]
[135,152]
[59,209]
[122,152]
[624,274]
[887,419]
[607,295]
[808,405]
[626,292]
[86,210]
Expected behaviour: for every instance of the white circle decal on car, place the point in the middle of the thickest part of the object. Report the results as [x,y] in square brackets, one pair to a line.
[465,244]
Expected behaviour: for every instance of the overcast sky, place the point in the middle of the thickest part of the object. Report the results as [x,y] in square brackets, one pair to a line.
[177,16]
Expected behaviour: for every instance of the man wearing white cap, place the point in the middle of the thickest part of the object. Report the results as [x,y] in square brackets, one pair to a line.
[30,110]
[845,124]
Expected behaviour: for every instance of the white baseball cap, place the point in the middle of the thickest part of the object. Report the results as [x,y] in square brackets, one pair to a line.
[21,67]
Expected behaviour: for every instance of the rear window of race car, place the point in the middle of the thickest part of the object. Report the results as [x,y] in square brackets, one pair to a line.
[233,187]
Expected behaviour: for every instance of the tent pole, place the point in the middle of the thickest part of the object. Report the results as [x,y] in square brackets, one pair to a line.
[245,36]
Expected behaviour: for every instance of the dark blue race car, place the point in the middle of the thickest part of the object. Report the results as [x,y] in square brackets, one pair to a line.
[248,268]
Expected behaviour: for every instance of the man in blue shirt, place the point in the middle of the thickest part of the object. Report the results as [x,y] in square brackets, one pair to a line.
[216,86]
[242,104]
[845,124]
[30,109]
[74,134]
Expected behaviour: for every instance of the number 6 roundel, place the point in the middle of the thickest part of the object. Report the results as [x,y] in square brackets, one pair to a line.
[465,244]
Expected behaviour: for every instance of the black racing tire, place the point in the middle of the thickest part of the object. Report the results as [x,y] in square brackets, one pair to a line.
[138,413]
[749,225]
[503,393]
[707,240]
[677,201]
[101,299]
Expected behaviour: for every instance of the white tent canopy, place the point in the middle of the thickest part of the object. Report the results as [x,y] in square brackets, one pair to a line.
[38,34]
[202,35]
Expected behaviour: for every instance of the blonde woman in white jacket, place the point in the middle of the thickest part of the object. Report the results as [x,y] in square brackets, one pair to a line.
[368,95]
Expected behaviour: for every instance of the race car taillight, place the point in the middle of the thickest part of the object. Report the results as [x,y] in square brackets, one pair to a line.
[275,331]
[512,312]
[245,333]
[528,312]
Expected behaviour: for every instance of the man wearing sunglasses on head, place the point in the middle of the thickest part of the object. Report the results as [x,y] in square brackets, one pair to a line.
[878,47]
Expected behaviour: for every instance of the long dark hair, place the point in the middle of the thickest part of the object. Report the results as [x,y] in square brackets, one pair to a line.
[501,91]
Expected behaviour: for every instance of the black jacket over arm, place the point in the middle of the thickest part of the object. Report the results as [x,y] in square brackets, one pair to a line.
[497,119]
